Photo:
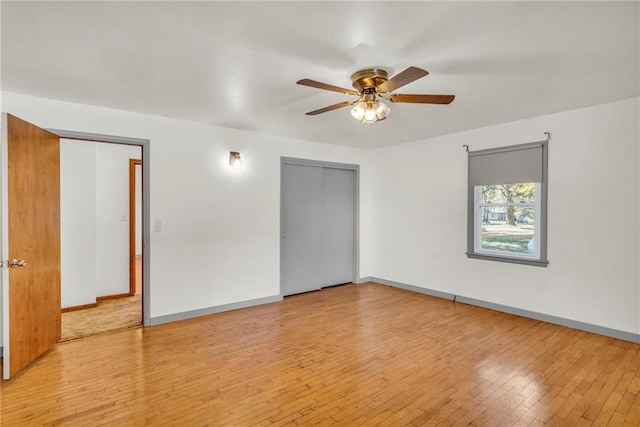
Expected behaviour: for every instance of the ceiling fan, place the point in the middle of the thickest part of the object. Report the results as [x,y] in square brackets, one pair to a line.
[373,86]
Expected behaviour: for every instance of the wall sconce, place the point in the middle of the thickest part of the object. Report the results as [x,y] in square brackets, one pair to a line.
[235,161]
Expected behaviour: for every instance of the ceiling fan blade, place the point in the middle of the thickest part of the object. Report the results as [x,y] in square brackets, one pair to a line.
[325,86]
[405,77]
[423,99]
[331,107]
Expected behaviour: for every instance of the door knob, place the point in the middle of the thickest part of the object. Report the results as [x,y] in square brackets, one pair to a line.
[17,263]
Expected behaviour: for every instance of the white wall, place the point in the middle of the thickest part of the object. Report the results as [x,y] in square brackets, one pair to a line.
[220,228]
[77,222]
[112,217]
[418,217]
[219,242]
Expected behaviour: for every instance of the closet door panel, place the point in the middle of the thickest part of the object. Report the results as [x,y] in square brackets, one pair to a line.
[301,228]
[338,226]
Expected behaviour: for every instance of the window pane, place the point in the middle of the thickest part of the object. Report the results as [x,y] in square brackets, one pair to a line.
[509,193]
[508,229]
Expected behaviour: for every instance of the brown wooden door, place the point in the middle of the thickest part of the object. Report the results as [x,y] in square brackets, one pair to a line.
[33,159]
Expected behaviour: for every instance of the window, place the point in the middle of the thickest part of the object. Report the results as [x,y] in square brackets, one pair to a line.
[506,215]
[507,204]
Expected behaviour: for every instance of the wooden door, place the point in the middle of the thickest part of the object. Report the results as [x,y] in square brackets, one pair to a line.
[33,204]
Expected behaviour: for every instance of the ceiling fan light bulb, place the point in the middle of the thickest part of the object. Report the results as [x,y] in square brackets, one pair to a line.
[370,115]
[382,110]
[358,111]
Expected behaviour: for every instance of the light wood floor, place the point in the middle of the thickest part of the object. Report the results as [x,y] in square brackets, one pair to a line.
[365,354]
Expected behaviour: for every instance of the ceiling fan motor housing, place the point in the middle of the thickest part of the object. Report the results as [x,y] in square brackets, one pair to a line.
[368,78]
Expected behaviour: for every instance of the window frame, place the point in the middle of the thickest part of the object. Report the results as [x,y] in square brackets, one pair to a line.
[474,219]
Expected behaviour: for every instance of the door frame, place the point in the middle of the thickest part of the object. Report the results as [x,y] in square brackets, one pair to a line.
[132,224]
[356,225]
[146,204]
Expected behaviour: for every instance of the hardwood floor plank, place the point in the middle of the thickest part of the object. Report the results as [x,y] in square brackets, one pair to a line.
[352,355]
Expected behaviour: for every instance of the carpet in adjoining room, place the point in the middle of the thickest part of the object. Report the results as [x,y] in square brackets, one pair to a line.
[110,315]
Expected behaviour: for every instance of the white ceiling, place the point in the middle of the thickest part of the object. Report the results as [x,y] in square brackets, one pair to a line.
[235,64]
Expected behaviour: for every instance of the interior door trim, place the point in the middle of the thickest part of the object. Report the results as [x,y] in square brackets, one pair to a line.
[319,163]
[132,224]
[330,165]
[146,204]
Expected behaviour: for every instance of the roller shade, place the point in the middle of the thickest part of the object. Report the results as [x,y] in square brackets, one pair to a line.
[506,165]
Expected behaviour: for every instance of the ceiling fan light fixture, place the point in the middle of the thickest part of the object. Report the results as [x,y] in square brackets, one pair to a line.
[382,110]
[369,111]
[358,111]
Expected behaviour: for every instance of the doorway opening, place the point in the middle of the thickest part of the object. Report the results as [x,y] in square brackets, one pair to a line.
[101,237]
[144,184]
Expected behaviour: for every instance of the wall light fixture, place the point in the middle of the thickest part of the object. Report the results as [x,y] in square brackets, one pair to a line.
[235,160]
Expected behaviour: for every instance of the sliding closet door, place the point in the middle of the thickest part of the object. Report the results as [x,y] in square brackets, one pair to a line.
[338,226]
[301,229]
[318,221]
